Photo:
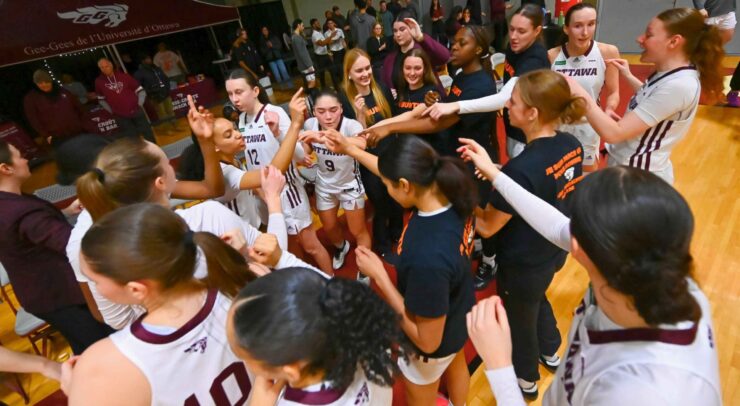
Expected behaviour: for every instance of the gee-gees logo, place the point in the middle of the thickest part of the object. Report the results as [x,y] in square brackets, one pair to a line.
[115,14]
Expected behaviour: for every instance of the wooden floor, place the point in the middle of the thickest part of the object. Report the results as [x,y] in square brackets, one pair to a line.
[707,167]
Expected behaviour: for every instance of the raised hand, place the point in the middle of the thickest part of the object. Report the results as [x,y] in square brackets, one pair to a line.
[431,97]
[415,29]
[200,120]
[334,141]
[374,135]
[310,136]
[266,250]
[488,328]
[471,151]
[235,239]
[360,103]
[272,182]
[273,122]
[298,107]
[622,65]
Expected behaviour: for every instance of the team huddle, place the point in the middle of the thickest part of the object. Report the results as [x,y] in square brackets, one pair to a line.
[233,300]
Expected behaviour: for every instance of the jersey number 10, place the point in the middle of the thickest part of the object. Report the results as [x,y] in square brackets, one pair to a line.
[219,397]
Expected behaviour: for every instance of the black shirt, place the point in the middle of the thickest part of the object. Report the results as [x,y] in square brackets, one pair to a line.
[407,100]
[549,168]
[373,112]
[434,275]
[246,52]
[532,58]
[478,126]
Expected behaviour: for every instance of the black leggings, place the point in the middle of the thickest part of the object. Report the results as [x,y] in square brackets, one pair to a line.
[735,81]
[77,325]
[533,326]
[388,214]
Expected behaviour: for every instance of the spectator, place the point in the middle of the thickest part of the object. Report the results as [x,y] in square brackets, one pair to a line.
[33,240]
[395,8]
[75,87]
[271,49]
[371,10]
[386,18]
[53,112]
[407,36]
[437,15]
[361,24]
[339,19]
[170,63]
[337,49]
[156,85]
[302,57]
[77,156]
[377,48]
[467,18]
[500,26]
[123,97]
[412,7]
[475,11]
[321,50]
[244,54]
[452,25]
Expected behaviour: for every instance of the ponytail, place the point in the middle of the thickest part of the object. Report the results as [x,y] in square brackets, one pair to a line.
[453,179]
[227,269]
[575,109]
[411,158]
[159,246]
[334,326]
[636,229]
[124,174]
[703,47]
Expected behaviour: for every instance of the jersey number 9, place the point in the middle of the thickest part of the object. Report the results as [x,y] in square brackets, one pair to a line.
[330,165]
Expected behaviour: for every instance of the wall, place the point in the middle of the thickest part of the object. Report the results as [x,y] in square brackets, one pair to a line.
[621,21]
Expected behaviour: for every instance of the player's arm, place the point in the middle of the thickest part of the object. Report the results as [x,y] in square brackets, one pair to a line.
[104,376]
[611,79]
[340,144]
[13,361]
[423,125]
[489,221]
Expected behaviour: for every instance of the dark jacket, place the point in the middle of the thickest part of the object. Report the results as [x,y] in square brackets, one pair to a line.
[274,53]
[33,241]
[246,52]
[57,114]
[154,81]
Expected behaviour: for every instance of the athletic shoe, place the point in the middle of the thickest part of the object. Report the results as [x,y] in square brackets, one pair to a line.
[340,255]
[484,275]
[529,389]
[550,363]
[733,99]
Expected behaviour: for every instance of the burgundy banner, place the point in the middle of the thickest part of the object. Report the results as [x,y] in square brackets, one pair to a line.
[43,28]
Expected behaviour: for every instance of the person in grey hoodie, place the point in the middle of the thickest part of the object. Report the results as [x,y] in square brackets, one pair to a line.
[303,58]
[361,24]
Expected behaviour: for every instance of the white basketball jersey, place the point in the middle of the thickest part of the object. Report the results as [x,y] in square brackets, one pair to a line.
[675,363]
[241,202]
[337,172]
[651,151]
[589,69]
[261,147]
[360,392]
[193,365]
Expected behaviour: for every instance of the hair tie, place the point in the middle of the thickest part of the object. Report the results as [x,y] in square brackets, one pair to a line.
[486,55]
[100,174]
[189,238]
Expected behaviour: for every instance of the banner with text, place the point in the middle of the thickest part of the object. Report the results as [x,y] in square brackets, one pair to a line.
[44,28]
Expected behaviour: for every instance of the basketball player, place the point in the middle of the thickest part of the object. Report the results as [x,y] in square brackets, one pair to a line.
[257,127]
[687,54]
[133,171]
[582,58]
[435,286]
[344,354]
[177,352]
[643,332]
[338,181]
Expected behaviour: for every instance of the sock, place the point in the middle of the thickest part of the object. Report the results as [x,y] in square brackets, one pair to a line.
[491,261]
[340,245]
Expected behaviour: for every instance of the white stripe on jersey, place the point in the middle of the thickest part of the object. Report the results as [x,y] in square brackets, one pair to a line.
[193,365]
[337,173]
[652,150]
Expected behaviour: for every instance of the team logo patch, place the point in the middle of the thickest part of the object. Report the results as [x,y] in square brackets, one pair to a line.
[115,14]
[363,397]
[558,63]
[198,346]
[569,173]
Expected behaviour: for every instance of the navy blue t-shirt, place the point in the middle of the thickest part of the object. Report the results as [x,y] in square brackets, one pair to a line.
[434,274]
[407,100]
[531,59]
[550,168]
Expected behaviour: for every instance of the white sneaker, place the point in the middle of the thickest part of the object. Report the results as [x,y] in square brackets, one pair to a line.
[340,255]
[529,389]
[551,363]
